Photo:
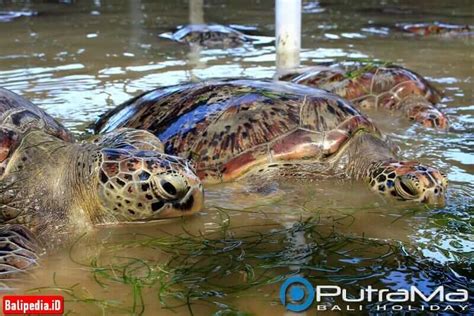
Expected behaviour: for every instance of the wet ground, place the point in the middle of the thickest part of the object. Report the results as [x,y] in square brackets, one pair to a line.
[78,59]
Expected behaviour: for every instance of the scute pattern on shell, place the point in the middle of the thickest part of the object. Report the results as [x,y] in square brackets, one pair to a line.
[227,127]
[17,117]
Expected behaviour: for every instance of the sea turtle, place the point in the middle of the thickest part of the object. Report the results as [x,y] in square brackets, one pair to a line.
[258,131]
[53,188]
[208,35]
[435,28]
[378,86]
[7,16]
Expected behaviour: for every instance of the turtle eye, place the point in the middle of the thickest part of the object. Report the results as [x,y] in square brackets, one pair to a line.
[405,187]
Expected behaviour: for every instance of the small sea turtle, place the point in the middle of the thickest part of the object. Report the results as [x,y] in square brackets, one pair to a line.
[435,28]
[208,35]
[378,86]
[257,131]
[7,16]
[52,187]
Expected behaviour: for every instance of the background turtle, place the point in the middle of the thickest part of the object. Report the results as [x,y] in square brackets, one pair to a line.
[7,16]
[208,35]
[378,86]
[257,131]
[435,28]
[52,188]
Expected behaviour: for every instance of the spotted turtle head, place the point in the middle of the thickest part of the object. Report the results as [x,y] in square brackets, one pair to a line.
[409,181]
[137,184]
[419,109]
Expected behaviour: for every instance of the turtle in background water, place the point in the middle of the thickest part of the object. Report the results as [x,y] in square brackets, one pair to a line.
[259,132]
[8,16]
[209,35]
[52,188]
[436,28]
[384,86]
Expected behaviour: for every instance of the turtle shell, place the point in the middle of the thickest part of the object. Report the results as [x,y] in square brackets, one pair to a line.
[368,85]
[7,16]
[17,117]
[208,35]
[436,28]
[228,127]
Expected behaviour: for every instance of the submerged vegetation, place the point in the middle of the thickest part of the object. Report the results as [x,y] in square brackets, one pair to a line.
[368,65]
[209,270]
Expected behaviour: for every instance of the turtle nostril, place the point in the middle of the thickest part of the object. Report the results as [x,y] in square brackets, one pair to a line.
[168,187]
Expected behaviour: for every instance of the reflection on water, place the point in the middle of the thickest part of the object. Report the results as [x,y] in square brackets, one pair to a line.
[77,59]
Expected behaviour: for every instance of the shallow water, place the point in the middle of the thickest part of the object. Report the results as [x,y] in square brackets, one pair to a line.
[77,59]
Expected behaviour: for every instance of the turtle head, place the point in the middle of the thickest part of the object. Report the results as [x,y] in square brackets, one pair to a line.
[138,182]
[419,109]
[409,181]
[140,185]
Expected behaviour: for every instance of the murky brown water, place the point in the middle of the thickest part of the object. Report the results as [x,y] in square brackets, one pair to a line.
[77,59]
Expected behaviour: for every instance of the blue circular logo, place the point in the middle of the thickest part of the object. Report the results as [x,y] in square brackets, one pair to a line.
[301,294]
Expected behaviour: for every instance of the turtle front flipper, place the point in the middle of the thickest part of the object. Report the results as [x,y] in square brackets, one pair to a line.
[18,250]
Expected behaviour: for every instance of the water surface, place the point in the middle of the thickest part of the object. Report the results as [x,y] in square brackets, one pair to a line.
[78,59]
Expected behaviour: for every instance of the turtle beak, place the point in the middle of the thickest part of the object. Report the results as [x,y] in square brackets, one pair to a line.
[435,196]
[190,203]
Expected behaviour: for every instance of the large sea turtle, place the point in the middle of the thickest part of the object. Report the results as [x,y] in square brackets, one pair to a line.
[378,86]
[52,188]
[259,131]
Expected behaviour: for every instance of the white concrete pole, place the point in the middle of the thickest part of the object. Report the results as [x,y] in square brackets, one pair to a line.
[196,16]
[136,30]
[196,11]
[287,34]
